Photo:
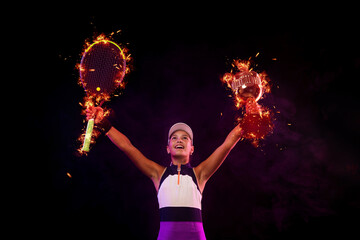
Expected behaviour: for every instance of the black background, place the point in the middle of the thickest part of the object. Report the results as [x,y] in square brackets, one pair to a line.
[303,180]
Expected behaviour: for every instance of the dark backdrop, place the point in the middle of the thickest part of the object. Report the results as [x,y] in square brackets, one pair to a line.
[303,180]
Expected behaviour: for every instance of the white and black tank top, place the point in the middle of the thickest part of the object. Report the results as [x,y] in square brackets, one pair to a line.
[179,195]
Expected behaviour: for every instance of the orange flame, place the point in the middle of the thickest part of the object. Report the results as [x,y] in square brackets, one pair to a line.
[242,65]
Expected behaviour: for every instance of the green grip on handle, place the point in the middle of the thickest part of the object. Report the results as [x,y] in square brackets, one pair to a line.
[87,139]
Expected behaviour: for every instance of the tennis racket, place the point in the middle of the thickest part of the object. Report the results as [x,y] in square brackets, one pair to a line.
[102,69]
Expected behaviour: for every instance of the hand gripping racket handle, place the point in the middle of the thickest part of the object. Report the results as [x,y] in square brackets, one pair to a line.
[87,139]
[89,130]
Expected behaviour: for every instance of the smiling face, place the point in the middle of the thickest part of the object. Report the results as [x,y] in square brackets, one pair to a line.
[180,146]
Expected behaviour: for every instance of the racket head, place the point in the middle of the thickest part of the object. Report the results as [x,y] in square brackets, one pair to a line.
[102,68]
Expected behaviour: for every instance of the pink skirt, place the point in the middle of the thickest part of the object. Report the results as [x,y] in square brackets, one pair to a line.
[181,231]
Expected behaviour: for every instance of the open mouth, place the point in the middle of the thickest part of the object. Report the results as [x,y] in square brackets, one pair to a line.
[179,147]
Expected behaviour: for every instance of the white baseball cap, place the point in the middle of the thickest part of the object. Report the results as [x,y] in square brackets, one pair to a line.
[184,127]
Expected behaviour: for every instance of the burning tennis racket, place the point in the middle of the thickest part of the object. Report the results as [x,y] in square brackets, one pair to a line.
[102,70]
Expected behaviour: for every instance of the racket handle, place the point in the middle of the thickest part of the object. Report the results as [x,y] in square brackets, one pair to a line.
[87,139]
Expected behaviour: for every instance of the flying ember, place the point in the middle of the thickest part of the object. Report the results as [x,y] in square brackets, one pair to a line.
[248,88]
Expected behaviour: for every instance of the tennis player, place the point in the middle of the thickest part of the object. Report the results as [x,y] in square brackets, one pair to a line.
[179,186]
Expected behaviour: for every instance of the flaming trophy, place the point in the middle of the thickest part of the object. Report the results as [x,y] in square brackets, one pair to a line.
[248,87]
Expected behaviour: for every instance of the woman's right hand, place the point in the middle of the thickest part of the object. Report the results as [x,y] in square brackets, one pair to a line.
[94,112]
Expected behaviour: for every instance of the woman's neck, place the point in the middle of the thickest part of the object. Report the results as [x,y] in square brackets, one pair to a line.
[180,161]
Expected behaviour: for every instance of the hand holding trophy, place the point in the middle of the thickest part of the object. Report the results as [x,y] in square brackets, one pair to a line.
[248,87]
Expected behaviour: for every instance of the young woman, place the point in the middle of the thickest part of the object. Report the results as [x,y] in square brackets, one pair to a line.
[179,186]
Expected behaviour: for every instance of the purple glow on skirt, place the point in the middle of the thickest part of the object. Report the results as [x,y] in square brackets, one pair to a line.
[181,231]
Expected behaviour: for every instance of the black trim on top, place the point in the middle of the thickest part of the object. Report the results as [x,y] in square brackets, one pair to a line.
[180,214]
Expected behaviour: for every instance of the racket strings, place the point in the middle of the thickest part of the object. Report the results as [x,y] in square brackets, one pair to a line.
[103,68]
